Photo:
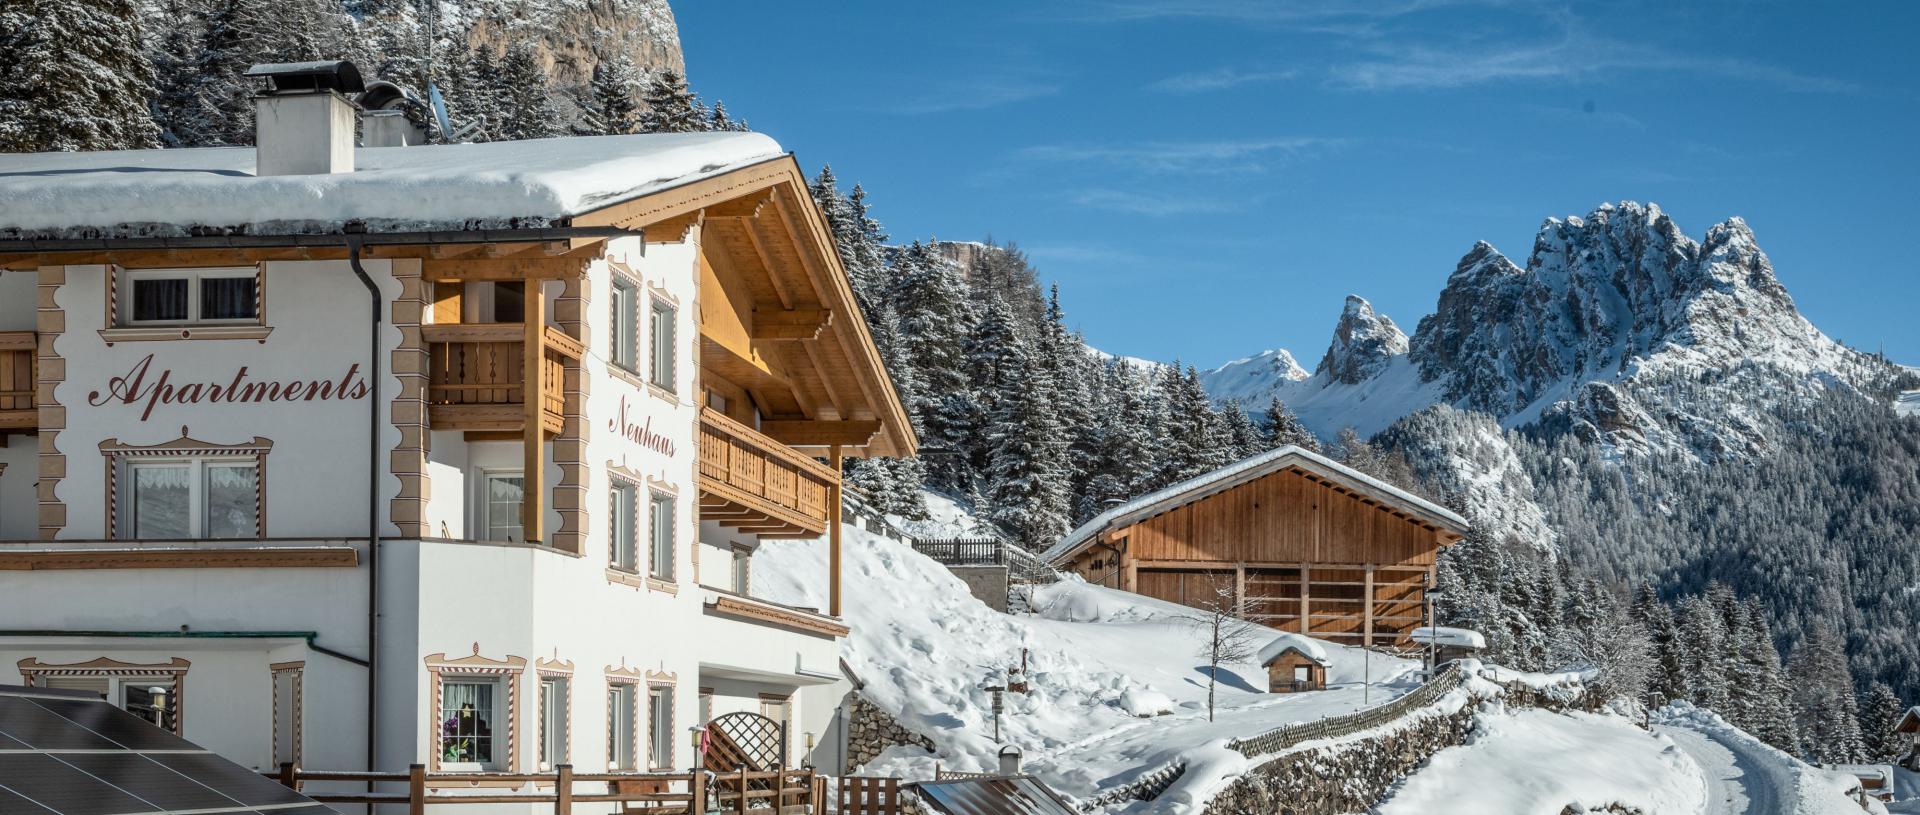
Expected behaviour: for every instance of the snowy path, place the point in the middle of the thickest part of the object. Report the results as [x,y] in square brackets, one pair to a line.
[1740,779]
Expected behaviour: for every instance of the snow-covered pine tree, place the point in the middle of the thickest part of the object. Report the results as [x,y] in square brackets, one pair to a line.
[1824,693]
[1668,680]
[1284,428]
[1703,636]
[1880,713]
[1195,439]
[530,112]
[179,110]
[935,319]
[612,108]
[719,120]
[1773,711]
[1242,437]
[74,76]
[1026,472]
[1124,451]
[670,106]
[483,104]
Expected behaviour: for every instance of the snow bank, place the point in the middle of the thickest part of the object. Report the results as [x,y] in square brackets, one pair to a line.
[1443,635]
[1532,762]
[506,184]
[1819,792]
[1097,660]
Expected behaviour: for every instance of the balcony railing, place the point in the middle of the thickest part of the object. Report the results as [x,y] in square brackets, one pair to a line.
[18,370]
[750,481]
[477,376]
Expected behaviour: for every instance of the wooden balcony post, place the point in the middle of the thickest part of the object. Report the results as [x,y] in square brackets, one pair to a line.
[740,806]
[1366,633]
[833,534]
[533,506]
[697,791]
[416,789]
[563,790]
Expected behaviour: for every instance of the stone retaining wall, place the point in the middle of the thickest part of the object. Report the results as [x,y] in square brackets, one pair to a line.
[870,731]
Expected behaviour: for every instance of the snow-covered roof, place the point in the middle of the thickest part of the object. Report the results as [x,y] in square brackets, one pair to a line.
[1307,646]
[1201,486]
[497,185]
[1910,723]
[1443,635]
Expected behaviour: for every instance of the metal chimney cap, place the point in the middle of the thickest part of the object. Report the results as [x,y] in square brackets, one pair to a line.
[339,76]
[1009,750]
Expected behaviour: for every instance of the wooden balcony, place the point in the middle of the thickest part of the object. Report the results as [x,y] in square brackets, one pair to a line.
[477,376]
[758,485]
[19,368]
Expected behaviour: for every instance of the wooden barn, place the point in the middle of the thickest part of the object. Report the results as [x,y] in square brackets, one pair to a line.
[1312,545]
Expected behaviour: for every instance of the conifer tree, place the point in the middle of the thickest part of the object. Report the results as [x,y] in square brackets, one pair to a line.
[529,108]
[1668,681]
[1243,439]
[1284,428]
[1824,694]
[74,76]
[483,105]
[1880,713]
[1703,639]
[670,106]
[1026,452]
[612,108]
[1773,707]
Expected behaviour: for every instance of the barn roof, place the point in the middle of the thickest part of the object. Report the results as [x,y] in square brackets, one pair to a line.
[1241,472]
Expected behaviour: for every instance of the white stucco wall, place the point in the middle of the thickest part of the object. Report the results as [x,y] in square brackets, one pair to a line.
[17,300]
[19,513]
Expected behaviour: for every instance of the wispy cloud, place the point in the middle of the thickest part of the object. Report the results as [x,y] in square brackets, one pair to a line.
[1217,80]
[1402,63]
[1223,156]
[1136,203]
[975,94]
[1265,11]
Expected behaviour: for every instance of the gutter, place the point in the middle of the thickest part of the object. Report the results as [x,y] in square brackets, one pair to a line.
[373,511]
[310,637]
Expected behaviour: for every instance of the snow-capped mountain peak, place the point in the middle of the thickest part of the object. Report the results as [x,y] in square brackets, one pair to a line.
[1363,343]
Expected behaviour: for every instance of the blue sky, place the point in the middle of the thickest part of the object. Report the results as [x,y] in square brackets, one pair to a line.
[1209,178]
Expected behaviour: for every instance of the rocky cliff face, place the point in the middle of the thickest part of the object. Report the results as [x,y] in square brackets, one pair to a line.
[572,33]
[1613,315]
[1363,344]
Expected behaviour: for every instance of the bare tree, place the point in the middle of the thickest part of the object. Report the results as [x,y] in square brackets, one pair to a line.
[1220,618]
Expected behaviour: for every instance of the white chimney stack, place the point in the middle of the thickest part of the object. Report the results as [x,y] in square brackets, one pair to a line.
[303,122]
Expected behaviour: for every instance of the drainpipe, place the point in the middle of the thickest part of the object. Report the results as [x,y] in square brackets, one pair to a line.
[373,512]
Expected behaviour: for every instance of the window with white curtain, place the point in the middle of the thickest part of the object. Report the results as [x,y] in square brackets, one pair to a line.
[500,510]
[471,715]
[195,498]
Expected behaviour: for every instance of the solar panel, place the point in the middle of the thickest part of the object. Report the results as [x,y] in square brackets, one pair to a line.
[72,753]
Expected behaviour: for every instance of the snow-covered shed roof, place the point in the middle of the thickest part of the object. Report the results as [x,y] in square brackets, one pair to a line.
[1233,475]
[1443,635]
[213,191]
[1910,723]
[1307,646]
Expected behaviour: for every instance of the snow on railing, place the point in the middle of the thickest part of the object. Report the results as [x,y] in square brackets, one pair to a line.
[857,512]
[1281,738]
[1145,788]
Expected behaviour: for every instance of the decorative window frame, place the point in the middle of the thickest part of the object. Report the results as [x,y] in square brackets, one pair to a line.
[508,671]
[657,299]
[299,672]
[671,580]
[545,669]
[615,483]
[118,329]
[118,455]
[33,672]
[624,274]
[661,682]
[633,679]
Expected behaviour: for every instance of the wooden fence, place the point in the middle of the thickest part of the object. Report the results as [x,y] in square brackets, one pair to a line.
[869,795]
[782,792]
[1281,738]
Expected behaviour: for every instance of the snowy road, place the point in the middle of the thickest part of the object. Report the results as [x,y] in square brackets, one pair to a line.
[1741,779]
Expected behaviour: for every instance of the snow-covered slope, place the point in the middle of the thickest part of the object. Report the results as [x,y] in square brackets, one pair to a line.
[1096,657]
[1610,312]
[1746,775]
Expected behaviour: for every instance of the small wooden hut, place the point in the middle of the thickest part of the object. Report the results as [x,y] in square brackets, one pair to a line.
[1294,664]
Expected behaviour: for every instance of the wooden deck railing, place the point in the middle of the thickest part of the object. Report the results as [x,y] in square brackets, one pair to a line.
[19,368]
[482,365]
[781,792]
[751,471]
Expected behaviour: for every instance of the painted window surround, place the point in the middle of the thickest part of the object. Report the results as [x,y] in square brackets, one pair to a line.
[121,329]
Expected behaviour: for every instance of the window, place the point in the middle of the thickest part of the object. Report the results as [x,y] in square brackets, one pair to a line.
[1302,674]
[626,335]
[663,344]
[620,715]
[775,708]
[623,536]
[741,557]
[661,523]
[210,498]
[176,296]
[503,494]
[153,698]
[660,727]
[553,722]
[469,713]
[286,715]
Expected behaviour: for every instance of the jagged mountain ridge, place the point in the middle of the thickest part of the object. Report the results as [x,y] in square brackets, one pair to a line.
[1609,309]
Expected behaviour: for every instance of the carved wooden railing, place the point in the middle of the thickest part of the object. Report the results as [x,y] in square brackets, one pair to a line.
[751,471]
[19,368]
[478,369]
[769,792]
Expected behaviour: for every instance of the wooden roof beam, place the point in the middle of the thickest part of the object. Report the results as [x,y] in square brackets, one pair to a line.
[819,433]
[790,324]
